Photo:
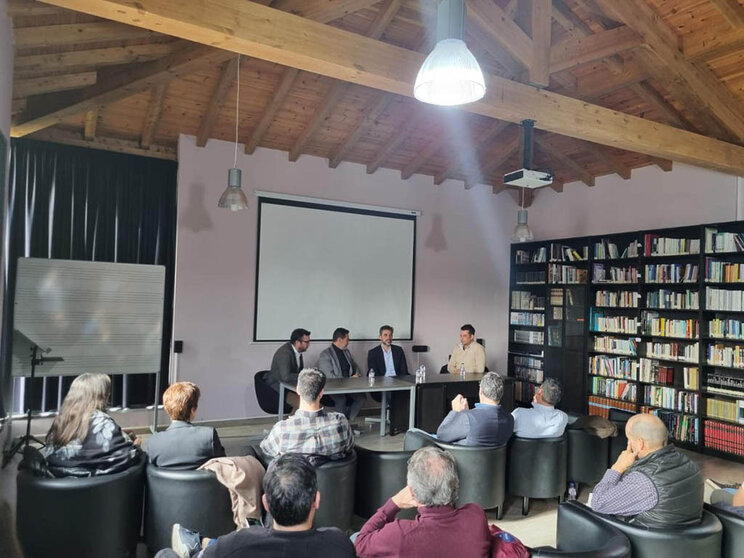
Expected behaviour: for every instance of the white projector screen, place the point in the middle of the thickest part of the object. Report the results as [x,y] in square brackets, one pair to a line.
[320,267]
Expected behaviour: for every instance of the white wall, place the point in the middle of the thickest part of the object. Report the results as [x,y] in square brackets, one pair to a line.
[462,269]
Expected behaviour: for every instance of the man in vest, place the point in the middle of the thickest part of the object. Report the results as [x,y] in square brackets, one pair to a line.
[651,484]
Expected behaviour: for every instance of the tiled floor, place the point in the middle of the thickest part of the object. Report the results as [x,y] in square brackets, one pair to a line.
[537,529]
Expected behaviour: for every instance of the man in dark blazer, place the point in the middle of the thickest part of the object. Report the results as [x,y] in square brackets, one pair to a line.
[182,445]
[387,359]
[287,363]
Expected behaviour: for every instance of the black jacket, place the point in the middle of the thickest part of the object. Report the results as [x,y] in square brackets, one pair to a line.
[184,446]
[284,367]
[376,361]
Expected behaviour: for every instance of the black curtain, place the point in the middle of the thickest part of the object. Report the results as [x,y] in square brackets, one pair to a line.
[77,203]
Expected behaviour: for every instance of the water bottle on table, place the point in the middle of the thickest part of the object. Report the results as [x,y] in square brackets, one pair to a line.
[371,376]
[462,370]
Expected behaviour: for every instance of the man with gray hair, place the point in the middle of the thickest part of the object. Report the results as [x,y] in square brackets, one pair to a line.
[651,484]
[312,431]
[441,530]
[488,424]
[543,420]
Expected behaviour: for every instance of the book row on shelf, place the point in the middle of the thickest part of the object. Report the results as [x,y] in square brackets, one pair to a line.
[725,383]
[528,362]
[653,372]
[654,325]
[685,428]
[527,319]
[530,374]
[726,410]
[617,389]
[616,345]
[724,300]
[613,367]
[679,352]
[556,297]
[671,273]
[725,355]
[655,245]
[723,241]
[723,272]
[524,392]
[612,274]
[670,398]
[607,250]
[601,406]
[727,329]
[525,257]
[560,253]
[664,299]
[525,300]
[724,437]
[617,299]
[530,277]
[599,321]
[566,274]
[529,337]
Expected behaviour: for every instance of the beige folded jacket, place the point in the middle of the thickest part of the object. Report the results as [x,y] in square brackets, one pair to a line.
[243,477]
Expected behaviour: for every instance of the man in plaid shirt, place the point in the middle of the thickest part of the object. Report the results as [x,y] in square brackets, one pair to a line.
[311,431]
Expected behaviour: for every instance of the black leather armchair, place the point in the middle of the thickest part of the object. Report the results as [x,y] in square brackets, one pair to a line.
[581,535]
[379,476]
[482,470]
[587,456]
[195,499]
[336,486]
[268,399]
[537,468]
[733,532]
[619,443]
[702,540]
[81,517]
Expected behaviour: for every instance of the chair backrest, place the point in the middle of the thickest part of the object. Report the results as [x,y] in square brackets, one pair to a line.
[82,517]
[195,499]
[701,541]
[336,485]
[537,467]
[587,456]
[733,532]
[268,399]
[580,534]
[379,476]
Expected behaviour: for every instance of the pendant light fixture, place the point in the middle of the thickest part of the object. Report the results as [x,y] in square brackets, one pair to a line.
[450,74]
[234,198]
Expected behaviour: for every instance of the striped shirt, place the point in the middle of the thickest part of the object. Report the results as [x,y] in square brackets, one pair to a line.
[313,433]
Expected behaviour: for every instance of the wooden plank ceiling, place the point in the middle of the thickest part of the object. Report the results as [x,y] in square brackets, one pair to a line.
[84,79]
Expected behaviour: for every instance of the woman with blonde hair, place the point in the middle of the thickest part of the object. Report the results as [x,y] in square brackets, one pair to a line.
[84,441]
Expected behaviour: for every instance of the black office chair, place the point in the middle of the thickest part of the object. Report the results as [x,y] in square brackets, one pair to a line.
[267,398]
[379,476]
[82,517]
[537,468]
[587,457]
[619,443]
[195,499]
[580,534]
[336,485]
[733,532]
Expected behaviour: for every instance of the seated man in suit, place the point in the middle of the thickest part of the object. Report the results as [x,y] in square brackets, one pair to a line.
[287,363]
[543,420]
[336,362]
[468,353]
[651,484]
[311,431]
[387,359]
[183,445]
[291,496]
[485,425]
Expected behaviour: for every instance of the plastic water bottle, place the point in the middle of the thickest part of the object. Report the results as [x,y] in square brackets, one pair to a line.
[423,373]
[462,370]
[371,376]
[572,490]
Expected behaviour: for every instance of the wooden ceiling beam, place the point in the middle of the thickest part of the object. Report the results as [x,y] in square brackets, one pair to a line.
[48,84]
[398,138]
[286,82]
[322,10]
[48,111]
[57,135]
[497,156]
[564,160]
[541,22]
[31,8]
[252,29]
[91,122]
[609,159]
[152,117]
[482,146]
[652,97]
[731,10]
[371,114]
[501,30]
[707,44]
[574,51]
[664,164]
[45,36]
[227,78]
[431,149]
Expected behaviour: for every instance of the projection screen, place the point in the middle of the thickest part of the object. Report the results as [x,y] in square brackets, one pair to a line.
[321,266]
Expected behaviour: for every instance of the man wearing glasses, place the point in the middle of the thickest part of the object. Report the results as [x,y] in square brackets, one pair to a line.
[287,363]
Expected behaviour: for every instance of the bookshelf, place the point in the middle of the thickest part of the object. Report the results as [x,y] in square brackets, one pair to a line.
[645,321]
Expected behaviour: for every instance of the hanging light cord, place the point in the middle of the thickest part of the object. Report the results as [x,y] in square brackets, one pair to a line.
[237,113]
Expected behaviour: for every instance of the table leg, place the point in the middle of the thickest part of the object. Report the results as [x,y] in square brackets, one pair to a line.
[280,414]
[412,408]
[383,413]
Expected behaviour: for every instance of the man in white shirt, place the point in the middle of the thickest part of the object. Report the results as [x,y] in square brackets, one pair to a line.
[543,420]
[468,353]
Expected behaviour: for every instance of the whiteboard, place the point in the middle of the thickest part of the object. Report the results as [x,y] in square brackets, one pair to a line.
[321,267]
[98,316]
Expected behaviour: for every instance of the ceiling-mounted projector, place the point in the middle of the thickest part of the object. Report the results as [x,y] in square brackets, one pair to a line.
[527,178]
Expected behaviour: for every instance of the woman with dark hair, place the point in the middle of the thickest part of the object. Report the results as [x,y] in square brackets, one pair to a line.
[84,441]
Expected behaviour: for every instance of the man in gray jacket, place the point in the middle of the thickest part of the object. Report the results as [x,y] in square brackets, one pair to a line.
[336,362]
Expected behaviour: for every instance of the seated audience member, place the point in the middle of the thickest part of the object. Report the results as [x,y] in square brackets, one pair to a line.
[485,425]
[651,484]
[287,363]
[336,362]
[311,431]
[543,420]
[440,530]
[291,496]
[84,441]
[728,499]
[468,353]
[183,445]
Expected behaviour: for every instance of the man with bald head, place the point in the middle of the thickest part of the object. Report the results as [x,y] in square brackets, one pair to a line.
[651,484]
